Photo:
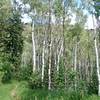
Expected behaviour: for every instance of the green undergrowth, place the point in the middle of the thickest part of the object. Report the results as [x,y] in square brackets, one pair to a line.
[23,92]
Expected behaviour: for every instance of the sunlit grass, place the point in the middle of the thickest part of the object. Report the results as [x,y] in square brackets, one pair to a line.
[5,90]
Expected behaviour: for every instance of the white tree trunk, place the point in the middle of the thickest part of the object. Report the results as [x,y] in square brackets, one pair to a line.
[49,69]
[59,55]
[33,49]
[97,63]
[75,62]
[43,64]
[55,59]
[75,59]
[58,62]
[97,56]
[50,45]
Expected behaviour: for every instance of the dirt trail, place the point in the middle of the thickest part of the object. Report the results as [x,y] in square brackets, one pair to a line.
[14,95]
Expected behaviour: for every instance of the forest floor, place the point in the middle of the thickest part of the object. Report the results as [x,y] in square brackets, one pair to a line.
[13,91]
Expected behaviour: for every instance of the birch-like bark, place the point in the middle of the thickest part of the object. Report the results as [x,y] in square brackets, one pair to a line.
[59,55]
[75,63]
[50,44]
[55,59]
[97,57]
[97,63]
[43,63]
[49,69]
[64,52]
[33,48]
[75,59]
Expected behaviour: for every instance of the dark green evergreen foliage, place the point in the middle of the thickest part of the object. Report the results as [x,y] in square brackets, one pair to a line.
[11,45]
[14,42]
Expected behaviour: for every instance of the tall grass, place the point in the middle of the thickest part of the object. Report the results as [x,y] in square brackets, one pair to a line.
[43,94]
[25,93]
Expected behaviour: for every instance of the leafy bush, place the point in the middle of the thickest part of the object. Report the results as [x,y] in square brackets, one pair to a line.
[59,78]
[35,80]
[93,84]
[7,72]
[24,73]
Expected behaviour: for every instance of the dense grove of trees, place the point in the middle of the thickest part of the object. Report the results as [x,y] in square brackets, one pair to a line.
[50,52]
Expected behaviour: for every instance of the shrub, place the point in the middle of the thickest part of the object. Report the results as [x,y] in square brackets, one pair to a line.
[35,80]
[7,72]
[24,73]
